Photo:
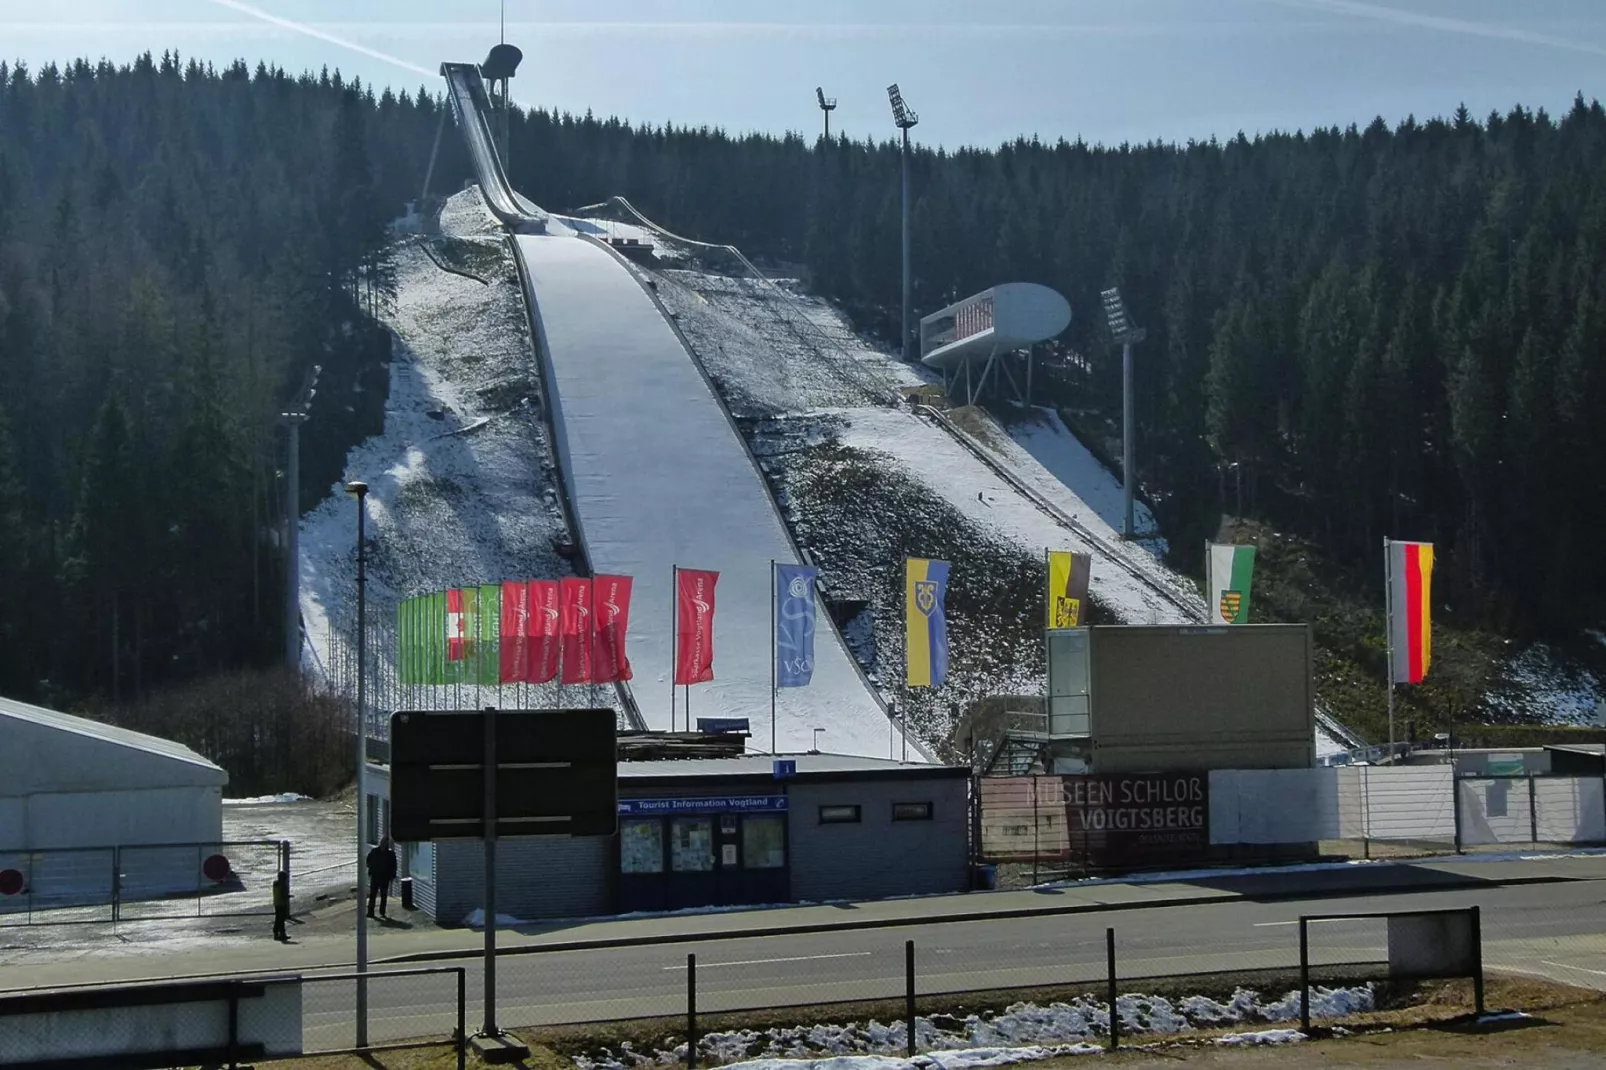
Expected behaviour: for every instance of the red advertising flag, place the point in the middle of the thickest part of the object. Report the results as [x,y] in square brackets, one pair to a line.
[612,616]
[514,664]
[576,630]
[543,634]
[456,626]
[694,643]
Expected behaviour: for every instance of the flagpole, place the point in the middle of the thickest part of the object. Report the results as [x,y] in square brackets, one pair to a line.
[774,653]
[1388,626]
[674,637]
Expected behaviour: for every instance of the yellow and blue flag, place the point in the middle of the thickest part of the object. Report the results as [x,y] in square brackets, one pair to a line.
[925,587]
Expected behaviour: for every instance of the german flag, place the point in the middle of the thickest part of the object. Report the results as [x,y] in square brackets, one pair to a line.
[1410,609]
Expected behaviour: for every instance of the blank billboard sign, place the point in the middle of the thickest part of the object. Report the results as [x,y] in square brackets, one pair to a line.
[1175,698]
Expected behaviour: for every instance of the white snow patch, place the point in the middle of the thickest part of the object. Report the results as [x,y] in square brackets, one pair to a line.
[1538,684]
[1502,1016]
[1020,1032]
[1264,1036]
[475,919]
[268,800]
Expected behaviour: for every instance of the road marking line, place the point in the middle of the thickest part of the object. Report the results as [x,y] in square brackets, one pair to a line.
[1313,921]
[763,962]
[1580,969]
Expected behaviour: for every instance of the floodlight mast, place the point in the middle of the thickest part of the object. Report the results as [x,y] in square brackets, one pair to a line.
[827,105]
[905,117]
[1122,331]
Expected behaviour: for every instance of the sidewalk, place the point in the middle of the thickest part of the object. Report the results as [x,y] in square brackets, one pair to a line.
[329,946]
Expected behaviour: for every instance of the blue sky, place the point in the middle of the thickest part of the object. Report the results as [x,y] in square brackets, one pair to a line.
[977,71]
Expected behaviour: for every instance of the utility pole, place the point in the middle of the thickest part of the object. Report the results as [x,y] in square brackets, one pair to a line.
[905,118]
[1121,330]
[827,105]
[359,490]
[292,419]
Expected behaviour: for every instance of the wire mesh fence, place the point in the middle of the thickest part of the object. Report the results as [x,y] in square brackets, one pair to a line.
[404,1007]
[139,882]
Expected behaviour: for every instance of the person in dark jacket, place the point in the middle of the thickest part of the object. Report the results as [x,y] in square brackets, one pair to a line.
[381,871]
[281,904]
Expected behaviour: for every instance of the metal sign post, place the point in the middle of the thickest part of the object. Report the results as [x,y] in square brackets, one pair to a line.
[489,1028]
[482,774]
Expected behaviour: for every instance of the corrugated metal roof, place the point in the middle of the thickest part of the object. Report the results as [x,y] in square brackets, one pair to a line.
[121,737]
[763,765]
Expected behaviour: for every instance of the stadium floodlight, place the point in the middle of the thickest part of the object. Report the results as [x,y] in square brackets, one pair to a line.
[1122,331]
[827,105]
[902,114]
[905,117]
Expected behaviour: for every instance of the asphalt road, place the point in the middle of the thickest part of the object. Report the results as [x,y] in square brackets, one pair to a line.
[1551,930]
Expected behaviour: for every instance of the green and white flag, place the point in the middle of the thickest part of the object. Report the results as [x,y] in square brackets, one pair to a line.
[1229,570]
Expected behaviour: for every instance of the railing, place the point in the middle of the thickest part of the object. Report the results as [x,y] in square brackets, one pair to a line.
[139,882]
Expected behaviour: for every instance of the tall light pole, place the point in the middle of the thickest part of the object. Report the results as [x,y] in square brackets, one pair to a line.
[359,490]
[905,118]
[292,420]
[1121,330]
[827,105]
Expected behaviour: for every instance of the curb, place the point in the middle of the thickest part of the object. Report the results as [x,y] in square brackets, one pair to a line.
[1459,883]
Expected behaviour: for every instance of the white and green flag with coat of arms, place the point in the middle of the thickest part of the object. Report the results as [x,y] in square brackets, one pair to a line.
[1229,570]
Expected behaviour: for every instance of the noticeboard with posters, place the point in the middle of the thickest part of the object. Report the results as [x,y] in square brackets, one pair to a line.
[1138,820]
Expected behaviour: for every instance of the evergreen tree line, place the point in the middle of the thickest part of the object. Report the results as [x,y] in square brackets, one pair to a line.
[1388,331]
[178,245]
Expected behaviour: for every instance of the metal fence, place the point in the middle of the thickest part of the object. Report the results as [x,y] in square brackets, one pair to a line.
[139,882]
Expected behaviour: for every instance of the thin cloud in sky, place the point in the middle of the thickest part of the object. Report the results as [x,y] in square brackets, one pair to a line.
[324,35]
[1440,22]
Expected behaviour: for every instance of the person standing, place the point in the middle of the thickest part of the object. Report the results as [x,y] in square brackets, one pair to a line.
[381,871]
[281,905]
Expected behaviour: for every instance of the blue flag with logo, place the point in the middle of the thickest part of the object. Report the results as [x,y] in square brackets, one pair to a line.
[794,625]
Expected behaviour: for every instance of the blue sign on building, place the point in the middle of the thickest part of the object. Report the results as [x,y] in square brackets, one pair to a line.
[723,725]
[724,804]
[785,768]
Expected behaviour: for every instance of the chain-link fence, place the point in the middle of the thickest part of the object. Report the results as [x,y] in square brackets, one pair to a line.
[139,882]
[404,1008]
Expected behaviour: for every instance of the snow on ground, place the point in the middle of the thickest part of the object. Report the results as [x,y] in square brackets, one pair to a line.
[267,800]
[1540,684]
[951,472]
[461,485]
[1020,1032]
[1098,499]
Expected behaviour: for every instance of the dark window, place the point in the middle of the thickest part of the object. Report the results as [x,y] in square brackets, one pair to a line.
[911,811]
[764,842]
[839,815]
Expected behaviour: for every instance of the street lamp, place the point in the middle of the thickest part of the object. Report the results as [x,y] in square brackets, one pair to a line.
[1122,331]
[905,117]
[359,490]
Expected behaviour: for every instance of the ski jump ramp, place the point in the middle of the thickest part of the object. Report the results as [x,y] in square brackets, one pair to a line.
[657,475]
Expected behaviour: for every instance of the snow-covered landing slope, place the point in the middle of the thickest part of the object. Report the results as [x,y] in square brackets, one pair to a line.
[658,477]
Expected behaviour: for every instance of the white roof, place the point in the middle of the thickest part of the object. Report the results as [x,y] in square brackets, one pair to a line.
[42,750]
